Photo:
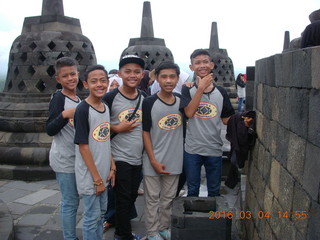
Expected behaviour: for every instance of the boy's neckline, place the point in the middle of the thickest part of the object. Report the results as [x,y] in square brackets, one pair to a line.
[168,99]
[131,94]
[70,94]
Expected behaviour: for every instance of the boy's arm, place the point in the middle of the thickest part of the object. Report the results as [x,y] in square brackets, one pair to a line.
[58,117]
[158,167]
[113,170]
[88,160]
[193,105]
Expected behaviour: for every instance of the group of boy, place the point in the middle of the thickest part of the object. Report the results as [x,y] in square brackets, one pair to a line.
[122,134]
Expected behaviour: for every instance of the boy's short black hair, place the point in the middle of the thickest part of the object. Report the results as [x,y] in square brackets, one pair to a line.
[167,65]
[92,68]
[65,62]
[198,52]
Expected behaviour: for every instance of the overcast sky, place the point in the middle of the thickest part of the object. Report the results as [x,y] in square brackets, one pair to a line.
[248,29]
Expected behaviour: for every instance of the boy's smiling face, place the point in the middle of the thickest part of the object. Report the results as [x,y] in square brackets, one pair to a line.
[201,65]
[167,79]
[131,74]
[68,77]
[97,83]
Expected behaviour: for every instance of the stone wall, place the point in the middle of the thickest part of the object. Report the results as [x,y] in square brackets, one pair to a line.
[282,196]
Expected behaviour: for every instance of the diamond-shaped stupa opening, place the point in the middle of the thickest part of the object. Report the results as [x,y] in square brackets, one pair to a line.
[51,71]
[31,70]
[24,57]
[69,45]
[79,57]
[41,57]
[84,45]
[21,86]
[51,45]
[33,45]
[41,85]
[16,71]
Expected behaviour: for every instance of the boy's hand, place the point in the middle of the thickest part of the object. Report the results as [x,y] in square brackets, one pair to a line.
[100,189]
[205,82]
[68,113]
[127,126]
[112,177]
[159,168]
[188,84]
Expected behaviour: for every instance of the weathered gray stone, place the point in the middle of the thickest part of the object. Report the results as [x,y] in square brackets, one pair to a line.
[273,137]
[268,200]
[259,97]
[313,118]
[299,111]
[267,101]
[311,176]
[288,230]
[314,221]
[315,70]
[283,106]
[282,145]
[270,71]
[286,189]
[278,70]
[286,70]
[275,221]
[296,156]
[259,121]
[301,202]
[275,177]
[301,68]
[267,167]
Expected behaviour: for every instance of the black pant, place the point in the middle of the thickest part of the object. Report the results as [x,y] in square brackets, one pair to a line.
[128,180]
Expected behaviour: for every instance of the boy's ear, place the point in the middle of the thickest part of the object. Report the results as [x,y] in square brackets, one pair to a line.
[57,79]
[191,68]
[85,84]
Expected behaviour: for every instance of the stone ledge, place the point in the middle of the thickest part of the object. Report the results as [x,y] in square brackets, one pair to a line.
[26,172]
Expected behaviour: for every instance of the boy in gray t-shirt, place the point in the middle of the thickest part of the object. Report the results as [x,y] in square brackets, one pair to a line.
[62,153]
[125,104]
[94,165]
[208,108]
[163,156]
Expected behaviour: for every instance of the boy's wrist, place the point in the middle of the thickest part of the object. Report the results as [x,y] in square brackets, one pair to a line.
[98,182]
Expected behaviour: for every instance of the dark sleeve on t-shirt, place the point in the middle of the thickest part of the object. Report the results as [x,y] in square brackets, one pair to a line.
[183,104]
[55,121]
[109,97]
[185,92]
[81,123]
[227,109]
[146,112]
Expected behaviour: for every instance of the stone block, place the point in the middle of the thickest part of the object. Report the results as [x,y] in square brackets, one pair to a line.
[282,145]
[286,70]
[259,97]
[296,156]
[315,70]
[314,221]
[287,229]
[274,180]
[270,71]
[283,106]
[259,126]
[274,104]
[273,137]
[278,70]
[311,176]
[268,199]
[190,219]
[301,202]
[314,116]
[266,167]
[301,68]
[275,221]
[299,111]
[286,189]
[267,101]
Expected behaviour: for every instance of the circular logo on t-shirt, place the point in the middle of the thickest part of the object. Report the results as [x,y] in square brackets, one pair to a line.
[124,115]
[102,132]
[206,110]
[71,123]
[170,122]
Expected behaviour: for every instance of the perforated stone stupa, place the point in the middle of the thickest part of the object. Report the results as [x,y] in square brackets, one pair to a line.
[24,145]
[152,50]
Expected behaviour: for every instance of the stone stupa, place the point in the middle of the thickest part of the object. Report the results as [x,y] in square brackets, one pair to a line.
[152,50]
[24,144]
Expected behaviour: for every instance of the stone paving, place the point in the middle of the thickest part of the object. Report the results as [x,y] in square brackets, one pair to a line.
[35,208]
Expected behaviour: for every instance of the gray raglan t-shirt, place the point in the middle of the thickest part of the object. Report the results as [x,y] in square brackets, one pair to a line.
[126,146]
[204,128]
[165,124]
[62,152]
[92,127]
